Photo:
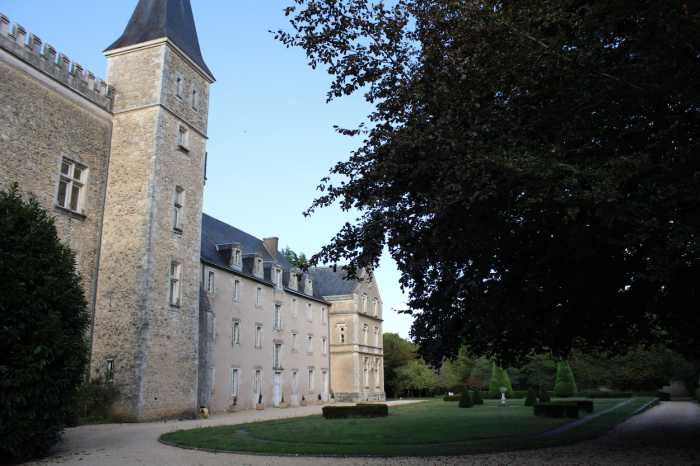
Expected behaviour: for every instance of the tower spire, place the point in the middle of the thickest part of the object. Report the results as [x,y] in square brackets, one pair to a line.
[158,19]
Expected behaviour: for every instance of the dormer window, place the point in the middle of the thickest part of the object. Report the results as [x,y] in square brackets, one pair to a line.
[277,277]
[183,139]
[258,267]
[236,258]
[309,288]
[293,281]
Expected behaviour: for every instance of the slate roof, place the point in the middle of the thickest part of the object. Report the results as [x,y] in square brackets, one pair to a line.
[215,232]
[155,19]
[328,282]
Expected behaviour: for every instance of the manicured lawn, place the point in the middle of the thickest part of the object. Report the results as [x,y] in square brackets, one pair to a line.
[430,428]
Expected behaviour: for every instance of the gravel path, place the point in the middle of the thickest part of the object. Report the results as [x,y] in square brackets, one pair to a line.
[668,434]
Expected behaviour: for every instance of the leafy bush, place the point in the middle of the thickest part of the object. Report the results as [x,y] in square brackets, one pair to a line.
[465,401]
[365,410]
[477,398]
[544,396]
[565,384]
[531,399]
[499,378]
[94,401]
[42,336]
[557,409]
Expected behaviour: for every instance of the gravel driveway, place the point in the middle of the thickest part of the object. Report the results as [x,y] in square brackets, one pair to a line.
[667,434]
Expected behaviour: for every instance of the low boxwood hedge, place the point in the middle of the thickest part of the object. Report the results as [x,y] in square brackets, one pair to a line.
[364,410]
[557,409]
[516,394]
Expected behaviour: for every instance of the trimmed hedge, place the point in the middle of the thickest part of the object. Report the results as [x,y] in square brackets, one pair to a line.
[557,409]
[451,398]
[466,401]
[512,395]
[366,410]
[605,394]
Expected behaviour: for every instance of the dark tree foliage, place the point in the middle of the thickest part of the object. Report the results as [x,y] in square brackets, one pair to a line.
[43,350]
[532,166]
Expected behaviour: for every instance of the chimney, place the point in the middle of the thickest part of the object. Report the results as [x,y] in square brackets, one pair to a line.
[271,245]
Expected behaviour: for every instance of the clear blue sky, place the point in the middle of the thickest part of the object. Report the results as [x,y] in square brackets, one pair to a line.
[271,132]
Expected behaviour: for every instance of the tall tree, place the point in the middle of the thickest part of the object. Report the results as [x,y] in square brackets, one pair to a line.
[397,353]
[415,378]
[43,349]
[532,166]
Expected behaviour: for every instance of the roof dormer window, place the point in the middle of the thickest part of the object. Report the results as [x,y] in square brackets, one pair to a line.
[293,281]
[258,270]
[309,288]
[277,277]
[236,258]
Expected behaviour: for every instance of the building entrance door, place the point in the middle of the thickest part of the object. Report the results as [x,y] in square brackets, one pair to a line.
[277,389]
[325,386]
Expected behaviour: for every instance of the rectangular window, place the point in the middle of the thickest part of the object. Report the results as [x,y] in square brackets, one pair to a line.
[258,296]
[375,307]
[109,371]
[179,82]
[277,317]
[366,372]
[237,257]
[258,336]
[311,381]
[294,308]
[376,336]
[183,138]
[195,99]
[71,186]
[276,356]
[236,291]
[175,278]
[341,334]
[235,381]
[376,372]
[365,334]
[178,205]
[309,313]
[324,315]
[364,304]
[210,282]
[324,344]
[294,341]
[309,344]
[236,333]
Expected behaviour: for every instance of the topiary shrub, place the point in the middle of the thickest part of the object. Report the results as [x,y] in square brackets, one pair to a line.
[465,401]
[565,384]
[531,399]
[476,397]
[499,378]
[43,347]
[543,396]
[365,410]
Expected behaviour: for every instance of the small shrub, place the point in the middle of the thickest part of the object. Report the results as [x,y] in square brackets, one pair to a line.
[451,398]
[94,401]
[557,409]
[531,399]
[365,410]
[544,396]
[565,384]
[465,401]
[476,397]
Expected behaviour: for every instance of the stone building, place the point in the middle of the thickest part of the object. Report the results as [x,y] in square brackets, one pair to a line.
[120,164]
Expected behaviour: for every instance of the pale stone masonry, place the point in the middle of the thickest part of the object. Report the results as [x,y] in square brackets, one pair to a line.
[186,310]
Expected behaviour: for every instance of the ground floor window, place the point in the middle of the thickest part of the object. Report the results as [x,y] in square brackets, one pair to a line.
[235,382]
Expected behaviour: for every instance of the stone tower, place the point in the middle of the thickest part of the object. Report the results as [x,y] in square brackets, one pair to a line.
[145,335]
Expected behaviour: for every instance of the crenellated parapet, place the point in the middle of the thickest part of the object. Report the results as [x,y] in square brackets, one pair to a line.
[30,49]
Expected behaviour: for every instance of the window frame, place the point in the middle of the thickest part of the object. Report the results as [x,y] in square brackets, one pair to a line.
[183,138]
[178,208]
[71,182]
[236,332]
[175,291]
[235,382]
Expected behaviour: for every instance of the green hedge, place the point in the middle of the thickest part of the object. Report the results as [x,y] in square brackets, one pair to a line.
[605,394]
[367,410]
[451,398]
[513,395]
[565,384]
[557,409]
[466,401]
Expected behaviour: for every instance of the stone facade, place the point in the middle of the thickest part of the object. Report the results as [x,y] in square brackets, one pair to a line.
[121,167]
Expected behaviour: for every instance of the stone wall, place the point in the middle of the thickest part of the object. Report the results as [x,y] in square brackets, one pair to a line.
[45,119]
